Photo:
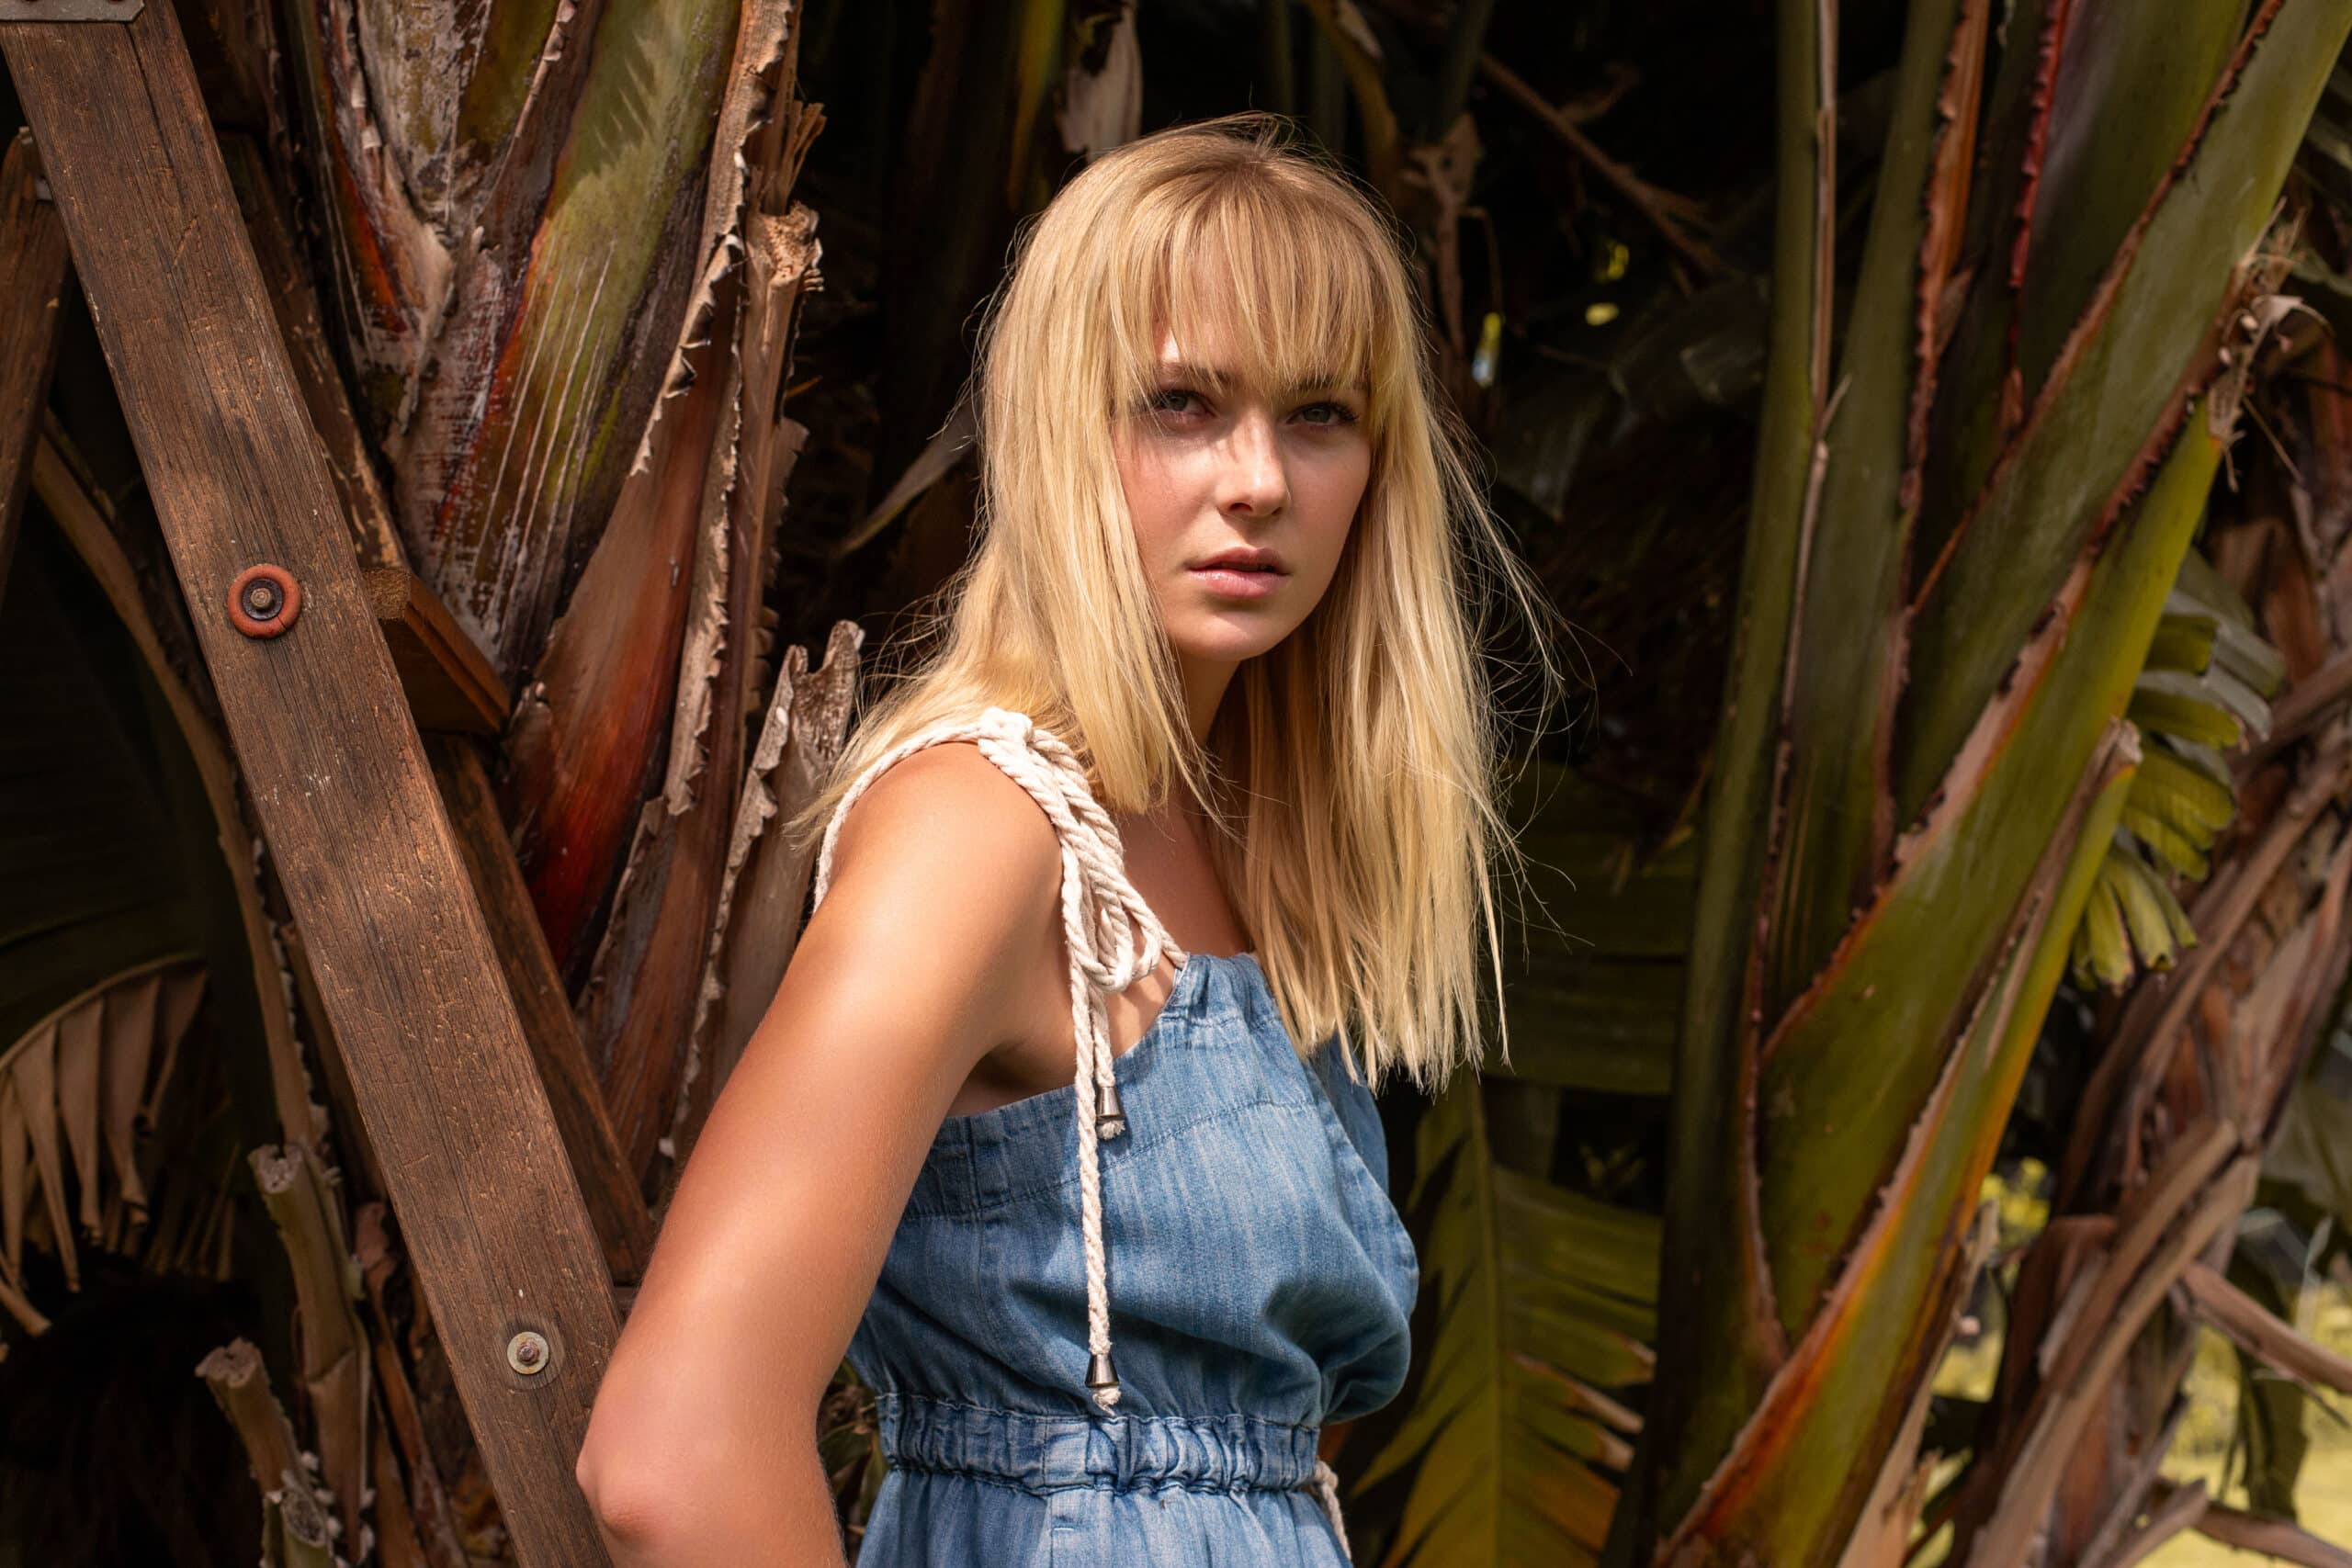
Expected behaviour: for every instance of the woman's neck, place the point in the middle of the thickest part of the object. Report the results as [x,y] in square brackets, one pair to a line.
[1205,686]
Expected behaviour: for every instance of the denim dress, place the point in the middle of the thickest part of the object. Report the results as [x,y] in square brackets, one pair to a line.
[1259,1279]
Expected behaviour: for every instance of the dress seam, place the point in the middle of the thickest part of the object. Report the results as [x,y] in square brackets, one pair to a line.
[1103,1483]
[934,1401]
[1142,1145]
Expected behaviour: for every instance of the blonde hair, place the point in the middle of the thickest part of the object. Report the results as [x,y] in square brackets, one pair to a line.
[1351,776]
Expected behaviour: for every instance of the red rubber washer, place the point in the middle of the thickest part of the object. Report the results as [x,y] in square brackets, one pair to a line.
[264,600]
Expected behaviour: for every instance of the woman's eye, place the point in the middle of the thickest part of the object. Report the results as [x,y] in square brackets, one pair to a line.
[1171,400]
[1335,413]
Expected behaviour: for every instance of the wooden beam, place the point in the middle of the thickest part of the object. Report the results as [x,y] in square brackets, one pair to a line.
[449,681]
[287,284]
[33,263]
[454,691]
[606,1180]
[404,961]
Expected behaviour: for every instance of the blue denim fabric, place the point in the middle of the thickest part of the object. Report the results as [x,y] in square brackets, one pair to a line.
[1261,1282]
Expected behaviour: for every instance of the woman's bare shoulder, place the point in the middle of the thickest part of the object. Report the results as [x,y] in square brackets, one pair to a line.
[945,840]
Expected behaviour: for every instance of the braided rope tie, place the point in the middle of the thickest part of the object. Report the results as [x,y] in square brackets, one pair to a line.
[1102,916]
[1327,1488]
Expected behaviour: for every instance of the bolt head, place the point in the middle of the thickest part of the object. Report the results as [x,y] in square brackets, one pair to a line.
[264,600]
[527,1353]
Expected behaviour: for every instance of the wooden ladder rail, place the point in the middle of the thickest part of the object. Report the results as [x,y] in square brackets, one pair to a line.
[412,984]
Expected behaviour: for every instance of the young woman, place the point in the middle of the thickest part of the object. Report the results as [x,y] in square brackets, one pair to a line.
[1176,844]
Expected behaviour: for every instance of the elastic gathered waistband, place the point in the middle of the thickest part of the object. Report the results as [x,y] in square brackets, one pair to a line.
[1049,1453]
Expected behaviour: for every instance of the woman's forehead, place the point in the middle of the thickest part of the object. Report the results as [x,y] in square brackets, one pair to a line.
[1219,344]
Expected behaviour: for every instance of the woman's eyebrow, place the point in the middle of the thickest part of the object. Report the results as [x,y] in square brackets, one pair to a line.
[1207,376]
[1220,380]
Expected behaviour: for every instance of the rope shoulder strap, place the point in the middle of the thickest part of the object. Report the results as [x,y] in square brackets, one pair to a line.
[1113,938]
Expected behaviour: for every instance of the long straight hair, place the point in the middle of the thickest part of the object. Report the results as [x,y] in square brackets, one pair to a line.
[1353,774]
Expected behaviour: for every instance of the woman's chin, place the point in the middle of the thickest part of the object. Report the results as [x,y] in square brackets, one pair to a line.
[1230,637]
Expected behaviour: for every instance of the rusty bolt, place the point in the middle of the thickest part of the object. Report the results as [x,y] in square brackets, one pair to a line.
[527,1353]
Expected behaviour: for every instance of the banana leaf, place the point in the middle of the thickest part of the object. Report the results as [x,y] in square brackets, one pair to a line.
[1924,756]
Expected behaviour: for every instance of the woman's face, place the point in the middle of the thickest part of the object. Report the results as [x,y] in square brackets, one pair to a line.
[1211,469]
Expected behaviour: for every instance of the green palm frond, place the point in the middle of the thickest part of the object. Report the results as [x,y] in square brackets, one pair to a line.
[1539,1305]
[2206,686]
[1593,1006]
[1544,1304]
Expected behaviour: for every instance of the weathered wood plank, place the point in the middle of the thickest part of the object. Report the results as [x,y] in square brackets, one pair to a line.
[606,1180]
[453,690]
[33,263]
[404,961]
[449,681]
[286,283]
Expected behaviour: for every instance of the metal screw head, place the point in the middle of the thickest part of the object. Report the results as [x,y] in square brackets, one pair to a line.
[262,599]
[527,1353]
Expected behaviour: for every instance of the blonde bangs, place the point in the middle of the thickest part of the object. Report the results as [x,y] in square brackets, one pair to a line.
[1275,270]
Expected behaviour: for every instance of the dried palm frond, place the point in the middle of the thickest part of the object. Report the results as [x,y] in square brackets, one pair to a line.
[757,922]
[75,1090]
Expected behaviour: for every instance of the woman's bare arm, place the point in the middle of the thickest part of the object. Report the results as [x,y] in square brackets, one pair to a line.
[701,1448]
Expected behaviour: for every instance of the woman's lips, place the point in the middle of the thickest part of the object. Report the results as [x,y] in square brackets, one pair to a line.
[1235,582]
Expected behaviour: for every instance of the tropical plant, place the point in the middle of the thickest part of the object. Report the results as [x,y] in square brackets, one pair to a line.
[1992,731]
[1539,1299]
[1965,528]
[2161,1205]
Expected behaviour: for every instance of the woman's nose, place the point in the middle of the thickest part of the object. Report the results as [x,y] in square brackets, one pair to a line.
[1253,479]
